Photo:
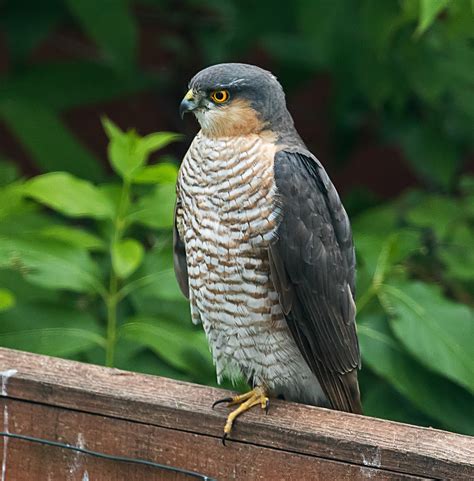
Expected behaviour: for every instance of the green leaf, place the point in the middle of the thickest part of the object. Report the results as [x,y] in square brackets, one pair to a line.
[163,173]
[70,196]
[47,140]
[33,312]
[147,362]
[381,252]
[436,212]
[24,221]
[24,290]
[378,253]
[128,152]
[127,255]
[52,341]
[156,210]
[124,150]
[432,394]
[51,264]
[11,201]
[157,140]
[58,327]
[172,342]
[113,192]
[163,285]
[436,331]
[381,220]
[156,278]
[457,254]
[7,299]
[459,263]
[74,236]
[111,24]
[111,129]
[381,400]
[429,10]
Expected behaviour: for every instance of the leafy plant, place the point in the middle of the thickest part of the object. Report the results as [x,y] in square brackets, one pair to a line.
[93,280]
[98,251]
[400,70]
[85,260]
[415,322]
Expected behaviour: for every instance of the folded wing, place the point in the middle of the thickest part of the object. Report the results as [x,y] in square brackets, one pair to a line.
[313,268]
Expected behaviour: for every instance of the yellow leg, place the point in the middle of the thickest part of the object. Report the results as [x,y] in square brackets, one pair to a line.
[248,400]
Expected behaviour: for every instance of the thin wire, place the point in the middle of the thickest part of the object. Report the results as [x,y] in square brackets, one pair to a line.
[124,459]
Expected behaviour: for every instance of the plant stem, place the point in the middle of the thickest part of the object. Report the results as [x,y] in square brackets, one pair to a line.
[366,298]
[112,298]
[111,321]
[379,274]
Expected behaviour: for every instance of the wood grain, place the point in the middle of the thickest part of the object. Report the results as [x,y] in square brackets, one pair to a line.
[174,448]
[151,408]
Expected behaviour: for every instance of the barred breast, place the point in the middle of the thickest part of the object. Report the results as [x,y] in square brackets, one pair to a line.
[229,214]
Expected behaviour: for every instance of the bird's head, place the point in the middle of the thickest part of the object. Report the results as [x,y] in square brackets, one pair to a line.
[233,99]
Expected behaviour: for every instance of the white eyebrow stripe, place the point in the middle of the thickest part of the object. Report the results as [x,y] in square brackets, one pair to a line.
[236,82]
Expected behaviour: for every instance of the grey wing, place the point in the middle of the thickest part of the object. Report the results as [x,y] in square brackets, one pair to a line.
[179,253]
[313,268]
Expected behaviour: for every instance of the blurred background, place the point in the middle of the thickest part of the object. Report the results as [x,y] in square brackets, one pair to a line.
[382,93]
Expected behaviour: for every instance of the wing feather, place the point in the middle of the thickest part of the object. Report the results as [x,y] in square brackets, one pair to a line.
[313,269]
[179,253]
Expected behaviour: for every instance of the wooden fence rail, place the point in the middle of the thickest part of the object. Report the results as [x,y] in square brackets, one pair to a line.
[172,423]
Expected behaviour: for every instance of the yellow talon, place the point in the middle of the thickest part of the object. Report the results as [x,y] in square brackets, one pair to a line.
[246,401]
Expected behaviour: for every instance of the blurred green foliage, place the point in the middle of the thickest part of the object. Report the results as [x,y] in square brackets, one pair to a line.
[85,259]
[91,276]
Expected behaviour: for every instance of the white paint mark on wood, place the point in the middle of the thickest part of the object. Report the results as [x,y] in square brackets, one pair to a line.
[367,473]
[6,375]
[76,464]
[374,461]
[85,476]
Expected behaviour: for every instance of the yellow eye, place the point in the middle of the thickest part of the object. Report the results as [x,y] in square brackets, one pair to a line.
[220,96]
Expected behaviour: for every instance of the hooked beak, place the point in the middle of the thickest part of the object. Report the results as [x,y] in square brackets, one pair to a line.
[188,104]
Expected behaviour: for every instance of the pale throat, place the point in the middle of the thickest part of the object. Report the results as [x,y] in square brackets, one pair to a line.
[236,119]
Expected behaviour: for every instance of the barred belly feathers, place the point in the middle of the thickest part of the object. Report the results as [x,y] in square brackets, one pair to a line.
[228,215]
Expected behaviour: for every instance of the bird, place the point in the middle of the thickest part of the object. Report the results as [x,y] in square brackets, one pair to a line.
[263,248]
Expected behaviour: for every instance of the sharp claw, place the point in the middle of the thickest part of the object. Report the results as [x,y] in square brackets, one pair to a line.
[255,397]
[220,401]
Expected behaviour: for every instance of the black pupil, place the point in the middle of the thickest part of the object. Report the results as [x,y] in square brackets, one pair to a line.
[219,95]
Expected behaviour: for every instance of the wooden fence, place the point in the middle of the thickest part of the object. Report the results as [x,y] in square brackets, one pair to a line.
[172,423]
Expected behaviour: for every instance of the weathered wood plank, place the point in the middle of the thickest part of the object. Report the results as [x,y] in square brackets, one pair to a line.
[167,446]
[293,428]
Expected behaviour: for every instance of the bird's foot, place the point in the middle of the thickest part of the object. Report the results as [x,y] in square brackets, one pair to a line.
[257,396]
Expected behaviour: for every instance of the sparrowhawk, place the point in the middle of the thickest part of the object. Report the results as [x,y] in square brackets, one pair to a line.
[263,247]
